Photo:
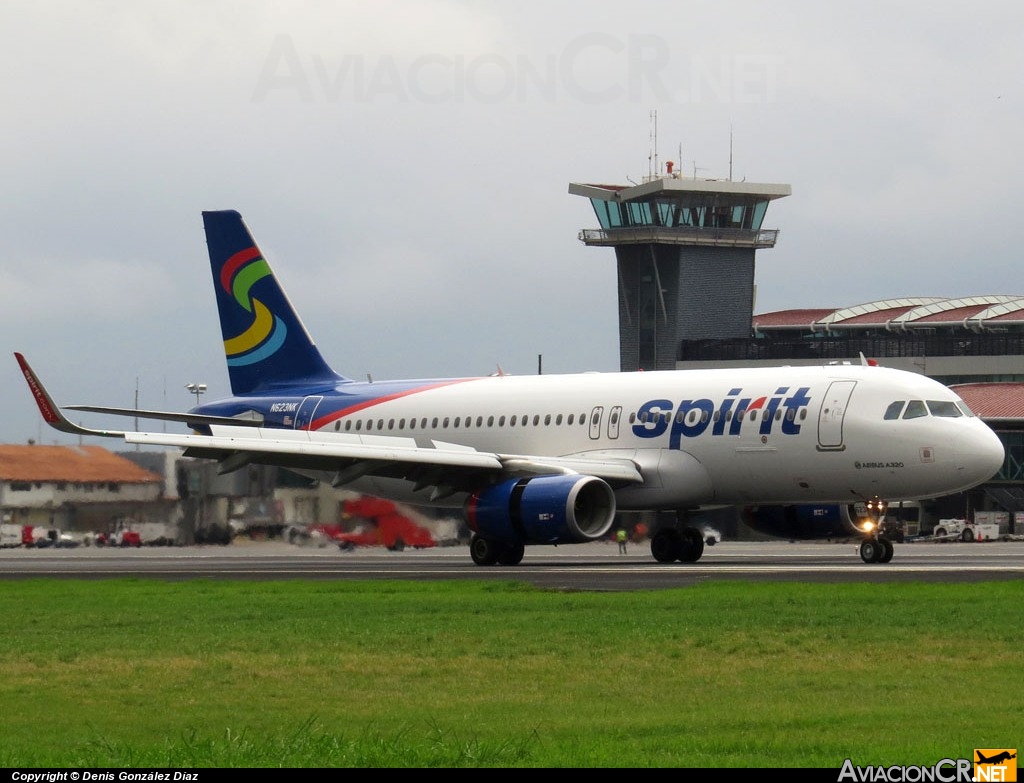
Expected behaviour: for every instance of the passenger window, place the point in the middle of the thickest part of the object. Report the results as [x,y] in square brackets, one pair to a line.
[944,408]
[894,410]
[915,409]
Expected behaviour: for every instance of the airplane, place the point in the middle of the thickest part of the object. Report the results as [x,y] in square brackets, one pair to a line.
[996,759]
[552,459]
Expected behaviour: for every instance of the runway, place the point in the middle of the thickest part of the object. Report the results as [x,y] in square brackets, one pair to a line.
[596,566]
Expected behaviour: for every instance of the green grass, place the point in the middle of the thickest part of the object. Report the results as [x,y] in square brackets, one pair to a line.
[498,674]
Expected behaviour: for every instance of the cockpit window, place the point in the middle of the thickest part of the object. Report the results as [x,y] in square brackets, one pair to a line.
[965,408]
[915,409]
[894,409]
[944,408]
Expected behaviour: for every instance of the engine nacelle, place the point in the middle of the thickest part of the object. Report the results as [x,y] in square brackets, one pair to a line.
[803,521]
[562,509]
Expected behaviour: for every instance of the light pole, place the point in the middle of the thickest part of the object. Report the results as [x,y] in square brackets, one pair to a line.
[196,389]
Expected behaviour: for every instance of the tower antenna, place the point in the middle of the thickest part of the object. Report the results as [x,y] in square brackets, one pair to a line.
[652,158]
[730,153]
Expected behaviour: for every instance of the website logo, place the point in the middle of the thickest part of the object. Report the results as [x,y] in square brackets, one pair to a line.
[995,764]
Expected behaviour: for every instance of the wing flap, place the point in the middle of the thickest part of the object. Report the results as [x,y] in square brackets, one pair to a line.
[331,447]
[299,443]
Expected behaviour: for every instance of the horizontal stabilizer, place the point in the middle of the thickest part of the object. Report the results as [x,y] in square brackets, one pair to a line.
[185,418]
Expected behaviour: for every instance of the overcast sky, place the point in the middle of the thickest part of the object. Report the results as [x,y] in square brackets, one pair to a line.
[405,166]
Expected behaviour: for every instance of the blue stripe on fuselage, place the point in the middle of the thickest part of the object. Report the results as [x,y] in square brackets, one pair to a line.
[280,410]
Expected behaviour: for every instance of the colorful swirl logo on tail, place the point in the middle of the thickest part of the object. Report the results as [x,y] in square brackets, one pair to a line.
[267,333]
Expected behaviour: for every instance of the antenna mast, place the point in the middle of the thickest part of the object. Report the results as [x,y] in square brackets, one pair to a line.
[653,157]
[730,153]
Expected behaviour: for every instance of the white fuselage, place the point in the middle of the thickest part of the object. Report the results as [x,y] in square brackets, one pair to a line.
[703,437]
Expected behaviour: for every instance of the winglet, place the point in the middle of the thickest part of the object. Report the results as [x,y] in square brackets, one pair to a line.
[49,410]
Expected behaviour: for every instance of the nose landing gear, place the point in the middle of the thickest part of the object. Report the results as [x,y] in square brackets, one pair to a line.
[876,548]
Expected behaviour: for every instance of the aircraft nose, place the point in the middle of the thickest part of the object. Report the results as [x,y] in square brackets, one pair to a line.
[988,453]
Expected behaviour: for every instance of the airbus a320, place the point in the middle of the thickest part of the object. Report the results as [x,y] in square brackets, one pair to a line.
[551,459]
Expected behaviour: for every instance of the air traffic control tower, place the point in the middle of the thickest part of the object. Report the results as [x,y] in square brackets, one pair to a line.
[684,249]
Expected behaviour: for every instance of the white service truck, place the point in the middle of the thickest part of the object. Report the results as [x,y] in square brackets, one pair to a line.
[962,530]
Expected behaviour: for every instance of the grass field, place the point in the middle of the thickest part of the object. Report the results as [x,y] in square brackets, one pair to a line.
[136,673]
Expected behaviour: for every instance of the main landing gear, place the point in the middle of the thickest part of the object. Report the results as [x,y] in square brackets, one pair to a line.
[487,552]
[677,541]
[876,548]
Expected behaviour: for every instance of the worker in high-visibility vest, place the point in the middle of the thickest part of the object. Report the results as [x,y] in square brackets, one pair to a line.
[621,536]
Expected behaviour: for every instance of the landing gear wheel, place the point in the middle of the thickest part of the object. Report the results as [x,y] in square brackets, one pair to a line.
[870,550]
[691,545]
[511,555]
[484,551]
[666,545]
[887,550]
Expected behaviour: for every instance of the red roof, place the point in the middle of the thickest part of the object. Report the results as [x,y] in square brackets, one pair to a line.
[791,317]
[956,315]
[82,464]
[877,316]
[993,400]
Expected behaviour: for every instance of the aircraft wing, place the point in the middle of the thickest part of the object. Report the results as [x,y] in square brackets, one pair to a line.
[235,443]
[385,455]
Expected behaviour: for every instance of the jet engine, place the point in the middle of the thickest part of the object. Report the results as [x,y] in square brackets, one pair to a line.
[560,509]
[804,521]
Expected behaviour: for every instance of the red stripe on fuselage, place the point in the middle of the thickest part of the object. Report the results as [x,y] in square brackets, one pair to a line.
[323,421]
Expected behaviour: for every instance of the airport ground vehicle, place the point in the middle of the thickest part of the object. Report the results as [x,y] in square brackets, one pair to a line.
[963,530]
[376,522]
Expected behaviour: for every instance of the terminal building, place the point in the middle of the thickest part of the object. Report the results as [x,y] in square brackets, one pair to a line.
[685,261]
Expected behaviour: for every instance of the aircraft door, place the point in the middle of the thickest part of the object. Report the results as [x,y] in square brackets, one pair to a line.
[833,409]
[595,422]
[304,415]
[613,422]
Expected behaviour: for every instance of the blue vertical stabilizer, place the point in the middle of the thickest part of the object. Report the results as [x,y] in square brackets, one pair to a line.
[266,346]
